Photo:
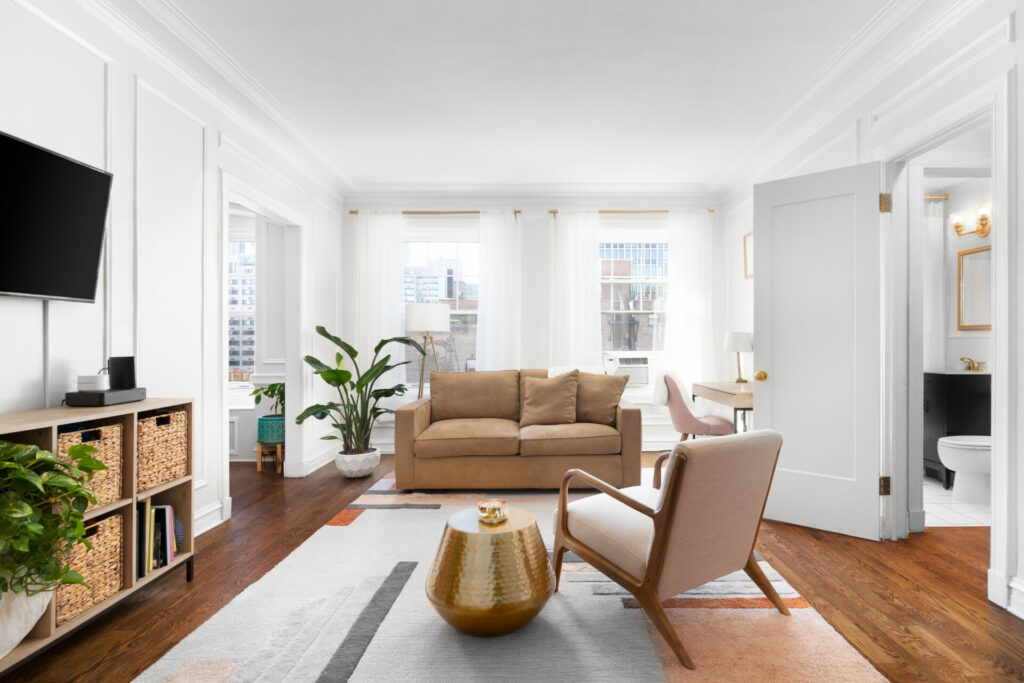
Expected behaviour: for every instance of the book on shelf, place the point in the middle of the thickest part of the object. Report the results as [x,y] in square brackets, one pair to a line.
[141,534]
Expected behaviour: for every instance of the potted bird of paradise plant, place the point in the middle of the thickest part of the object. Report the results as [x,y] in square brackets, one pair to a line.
[358,407]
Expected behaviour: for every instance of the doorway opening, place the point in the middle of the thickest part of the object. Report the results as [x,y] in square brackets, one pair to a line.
[950,333]
[256,345]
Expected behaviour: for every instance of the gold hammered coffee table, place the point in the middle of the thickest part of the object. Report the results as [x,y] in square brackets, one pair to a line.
[490,579]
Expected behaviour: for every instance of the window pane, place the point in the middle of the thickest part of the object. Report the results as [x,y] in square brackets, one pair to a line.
[633,290]
[444,272]
[241,310]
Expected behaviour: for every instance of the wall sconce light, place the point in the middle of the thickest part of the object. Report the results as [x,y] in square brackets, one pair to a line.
[980,217]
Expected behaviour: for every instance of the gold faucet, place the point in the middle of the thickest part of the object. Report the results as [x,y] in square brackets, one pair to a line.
[972,365]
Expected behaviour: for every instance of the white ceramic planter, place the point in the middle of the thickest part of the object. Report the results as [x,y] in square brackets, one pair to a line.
[356,465]
[18,614]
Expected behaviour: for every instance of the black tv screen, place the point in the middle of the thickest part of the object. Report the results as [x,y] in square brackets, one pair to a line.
[53,211]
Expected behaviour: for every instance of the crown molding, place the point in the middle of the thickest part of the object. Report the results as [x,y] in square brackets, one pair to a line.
[141,30]
[674,193]
[774,146]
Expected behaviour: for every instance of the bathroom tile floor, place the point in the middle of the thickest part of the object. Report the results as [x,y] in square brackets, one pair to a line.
[940,510]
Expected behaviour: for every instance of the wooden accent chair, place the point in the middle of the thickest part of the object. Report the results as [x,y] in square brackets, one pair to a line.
[701,525]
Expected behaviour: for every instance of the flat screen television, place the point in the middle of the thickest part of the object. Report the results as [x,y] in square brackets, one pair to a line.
[53,212]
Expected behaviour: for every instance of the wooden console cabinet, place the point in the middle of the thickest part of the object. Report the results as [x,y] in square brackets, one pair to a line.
[41,427]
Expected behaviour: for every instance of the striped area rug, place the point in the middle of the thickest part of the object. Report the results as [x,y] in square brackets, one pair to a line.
[350,604]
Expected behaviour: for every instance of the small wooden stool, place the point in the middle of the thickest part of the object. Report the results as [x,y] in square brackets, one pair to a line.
[275,450]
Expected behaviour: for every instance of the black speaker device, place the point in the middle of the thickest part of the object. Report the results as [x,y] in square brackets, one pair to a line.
[122,387]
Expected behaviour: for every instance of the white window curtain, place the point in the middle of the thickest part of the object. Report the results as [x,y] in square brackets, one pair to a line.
[576,290]
[498,331]
[378,304]
[689,333]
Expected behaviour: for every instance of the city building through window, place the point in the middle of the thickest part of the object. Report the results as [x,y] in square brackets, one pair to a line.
[241,310]
[444,272]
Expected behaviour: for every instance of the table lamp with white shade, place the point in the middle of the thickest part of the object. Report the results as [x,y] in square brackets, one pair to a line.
[738,342]
[427,318]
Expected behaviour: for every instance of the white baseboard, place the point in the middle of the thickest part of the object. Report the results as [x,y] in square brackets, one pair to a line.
[917,520]
[210,516]
[998,589]
[1016,602]
[319,460]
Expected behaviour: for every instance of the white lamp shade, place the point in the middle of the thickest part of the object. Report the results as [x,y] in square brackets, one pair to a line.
[738,341]
[427,318]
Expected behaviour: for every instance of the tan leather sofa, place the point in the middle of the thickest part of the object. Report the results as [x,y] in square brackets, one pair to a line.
[467,435]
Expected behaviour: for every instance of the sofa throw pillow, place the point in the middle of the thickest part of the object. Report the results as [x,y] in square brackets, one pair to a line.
[597,397]
[550,401]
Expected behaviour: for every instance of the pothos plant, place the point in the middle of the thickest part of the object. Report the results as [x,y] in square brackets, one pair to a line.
[42,503]
[273,392]
[356,409]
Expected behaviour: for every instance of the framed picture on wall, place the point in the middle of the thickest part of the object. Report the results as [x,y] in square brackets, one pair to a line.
[748,256]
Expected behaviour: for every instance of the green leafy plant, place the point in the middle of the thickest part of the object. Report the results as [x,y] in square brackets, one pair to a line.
[273,392]
[356,409]
[42,502]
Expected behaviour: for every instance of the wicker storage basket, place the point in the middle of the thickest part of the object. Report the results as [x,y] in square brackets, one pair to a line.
[101,567]
[106,484]
[163,449]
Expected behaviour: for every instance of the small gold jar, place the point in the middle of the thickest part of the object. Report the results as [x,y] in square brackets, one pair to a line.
[492,511]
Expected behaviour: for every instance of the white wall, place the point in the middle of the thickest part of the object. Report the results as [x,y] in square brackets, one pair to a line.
[890,92]
[103,83]
[977,344]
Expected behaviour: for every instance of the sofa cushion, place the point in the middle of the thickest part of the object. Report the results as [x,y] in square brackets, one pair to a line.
[550,401]
[458,395]
[580,438]
[614,530]
[474,436]
[523,374]
[597,396]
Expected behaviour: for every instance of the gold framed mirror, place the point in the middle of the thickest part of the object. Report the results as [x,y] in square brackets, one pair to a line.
[974,289]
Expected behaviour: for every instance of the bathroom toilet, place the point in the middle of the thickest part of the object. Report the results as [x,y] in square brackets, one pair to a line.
[970,457]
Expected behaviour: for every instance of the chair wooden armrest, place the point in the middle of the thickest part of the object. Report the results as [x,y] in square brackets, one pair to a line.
[659,461]
[600,485]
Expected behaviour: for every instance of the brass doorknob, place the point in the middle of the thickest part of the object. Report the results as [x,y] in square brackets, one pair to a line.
[761,376]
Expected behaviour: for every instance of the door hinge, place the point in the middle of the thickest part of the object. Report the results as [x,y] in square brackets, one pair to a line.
[884,485]
[885,202]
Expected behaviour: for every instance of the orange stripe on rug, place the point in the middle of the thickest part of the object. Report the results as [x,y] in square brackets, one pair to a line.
[345,517]
[720,603]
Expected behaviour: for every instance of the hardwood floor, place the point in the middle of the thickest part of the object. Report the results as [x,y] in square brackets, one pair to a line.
[915,608]
[271,516]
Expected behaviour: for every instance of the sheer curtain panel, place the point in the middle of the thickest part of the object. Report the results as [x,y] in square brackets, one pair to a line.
[576,290]
[499,321]
[378,303]
[689,333]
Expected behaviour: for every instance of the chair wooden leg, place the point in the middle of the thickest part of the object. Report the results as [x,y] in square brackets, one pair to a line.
[559,551]
[684,437]
[654,610]
[754,572]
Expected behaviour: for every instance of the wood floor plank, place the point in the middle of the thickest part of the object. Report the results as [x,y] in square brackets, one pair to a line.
[916,608]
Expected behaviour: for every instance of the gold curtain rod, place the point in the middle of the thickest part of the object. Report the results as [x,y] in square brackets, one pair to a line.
[936,196]
[554,212]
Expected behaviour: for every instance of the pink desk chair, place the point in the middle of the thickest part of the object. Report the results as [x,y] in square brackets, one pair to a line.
[687,419]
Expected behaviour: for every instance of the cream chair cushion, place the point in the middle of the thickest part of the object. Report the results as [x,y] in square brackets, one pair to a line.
[613,530]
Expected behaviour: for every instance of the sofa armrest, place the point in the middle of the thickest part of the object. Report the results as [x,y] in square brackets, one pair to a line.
[410,421]
[628,422]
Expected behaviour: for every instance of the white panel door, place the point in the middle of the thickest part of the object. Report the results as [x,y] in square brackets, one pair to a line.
[818,342]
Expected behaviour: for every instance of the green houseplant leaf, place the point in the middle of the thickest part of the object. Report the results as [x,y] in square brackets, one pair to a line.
[356,410]
[42,503]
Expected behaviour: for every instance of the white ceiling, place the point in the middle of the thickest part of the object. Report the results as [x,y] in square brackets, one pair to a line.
[470,94]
